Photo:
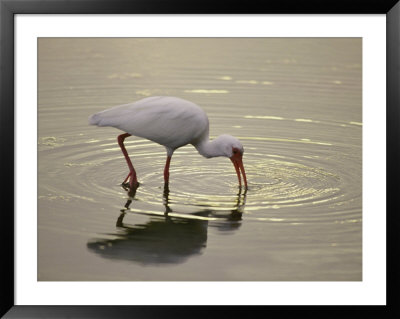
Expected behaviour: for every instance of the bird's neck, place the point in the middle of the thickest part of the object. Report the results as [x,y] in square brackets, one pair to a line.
[209,148]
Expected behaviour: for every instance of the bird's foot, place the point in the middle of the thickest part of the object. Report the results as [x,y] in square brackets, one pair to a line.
[132,184]
[127,186]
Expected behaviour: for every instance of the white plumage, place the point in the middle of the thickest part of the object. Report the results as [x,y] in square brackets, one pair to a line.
[171,122]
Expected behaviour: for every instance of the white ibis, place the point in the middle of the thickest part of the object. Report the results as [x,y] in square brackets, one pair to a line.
[171,122]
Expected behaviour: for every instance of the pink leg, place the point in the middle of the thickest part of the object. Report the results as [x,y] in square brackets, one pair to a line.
[132,174]
[166,170]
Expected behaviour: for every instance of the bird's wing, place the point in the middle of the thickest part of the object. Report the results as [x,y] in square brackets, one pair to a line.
[166,120]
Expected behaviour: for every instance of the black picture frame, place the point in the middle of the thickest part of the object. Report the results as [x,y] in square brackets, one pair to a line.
[8,10]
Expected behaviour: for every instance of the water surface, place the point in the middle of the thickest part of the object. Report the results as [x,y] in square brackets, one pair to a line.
[295,104]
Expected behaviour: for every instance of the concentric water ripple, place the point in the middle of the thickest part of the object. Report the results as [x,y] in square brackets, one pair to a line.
[284,174]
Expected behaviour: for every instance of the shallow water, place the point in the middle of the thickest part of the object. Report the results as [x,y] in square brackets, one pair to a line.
[295,104]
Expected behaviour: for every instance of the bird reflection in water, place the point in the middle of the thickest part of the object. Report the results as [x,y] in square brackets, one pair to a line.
[166,239]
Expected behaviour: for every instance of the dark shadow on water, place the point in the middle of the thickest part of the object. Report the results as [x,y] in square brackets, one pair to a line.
[167,239]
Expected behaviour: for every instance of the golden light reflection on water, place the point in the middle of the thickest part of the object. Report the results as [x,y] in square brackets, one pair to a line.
[207,91]
[305,141]
[264,117]
[276,181]
[225,78]
[247,81]
[306,120]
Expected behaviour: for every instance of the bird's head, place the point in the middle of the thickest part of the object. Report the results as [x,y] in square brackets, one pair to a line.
[231,147]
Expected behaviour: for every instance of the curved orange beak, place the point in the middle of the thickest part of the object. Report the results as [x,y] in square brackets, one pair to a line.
[238,163]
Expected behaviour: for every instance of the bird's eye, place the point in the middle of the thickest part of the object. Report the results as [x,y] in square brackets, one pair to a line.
[235,151]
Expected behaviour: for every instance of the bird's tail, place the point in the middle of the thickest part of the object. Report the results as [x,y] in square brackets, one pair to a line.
[94,119]
[109,117]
